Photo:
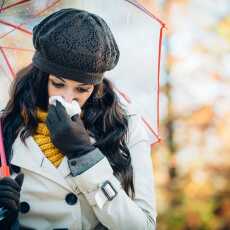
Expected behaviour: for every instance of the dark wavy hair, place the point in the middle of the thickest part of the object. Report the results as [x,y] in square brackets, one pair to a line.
[103,116]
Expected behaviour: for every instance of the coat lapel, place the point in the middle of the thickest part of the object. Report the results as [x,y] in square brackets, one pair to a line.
[30,157]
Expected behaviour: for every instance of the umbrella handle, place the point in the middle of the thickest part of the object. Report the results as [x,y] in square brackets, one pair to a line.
[4,169]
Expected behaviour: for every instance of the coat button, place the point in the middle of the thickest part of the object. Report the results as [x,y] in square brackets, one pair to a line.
[15,168]
[24,207]
[71,199]
[73,162]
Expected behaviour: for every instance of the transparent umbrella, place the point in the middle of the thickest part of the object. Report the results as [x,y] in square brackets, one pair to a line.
[138,34]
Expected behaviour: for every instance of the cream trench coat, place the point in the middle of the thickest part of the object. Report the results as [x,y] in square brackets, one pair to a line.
[53,199]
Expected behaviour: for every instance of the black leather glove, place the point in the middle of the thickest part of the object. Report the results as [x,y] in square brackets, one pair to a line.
[9,199]
[68,135]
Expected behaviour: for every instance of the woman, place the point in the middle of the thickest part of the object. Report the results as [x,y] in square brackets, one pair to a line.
[91,171]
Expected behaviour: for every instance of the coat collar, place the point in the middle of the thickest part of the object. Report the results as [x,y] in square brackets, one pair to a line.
[30,157]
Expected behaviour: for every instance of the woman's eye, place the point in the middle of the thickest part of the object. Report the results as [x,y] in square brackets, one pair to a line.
[57,85]
[81,90]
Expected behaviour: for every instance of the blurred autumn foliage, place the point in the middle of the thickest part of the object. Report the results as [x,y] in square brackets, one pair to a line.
[192,164]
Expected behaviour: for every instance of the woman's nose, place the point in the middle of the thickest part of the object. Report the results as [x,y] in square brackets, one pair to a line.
[69,97]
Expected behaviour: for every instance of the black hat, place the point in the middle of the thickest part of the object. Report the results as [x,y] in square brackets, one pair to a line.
[76,45]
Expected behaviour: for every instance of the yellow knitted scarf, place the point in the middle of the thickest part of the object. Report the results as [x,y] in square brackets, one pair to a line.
[42,138]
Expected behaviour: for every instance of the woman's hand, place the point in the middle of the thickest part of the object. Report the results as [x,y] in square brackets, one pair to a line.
[68,135]
[10,198]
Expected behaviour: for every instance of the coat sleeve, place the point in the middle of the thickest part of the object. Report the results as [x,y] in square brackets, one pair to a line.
[122,212]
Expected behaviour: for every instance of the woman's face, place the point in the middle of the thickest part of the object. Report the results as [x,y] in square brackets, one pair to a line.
[69,89]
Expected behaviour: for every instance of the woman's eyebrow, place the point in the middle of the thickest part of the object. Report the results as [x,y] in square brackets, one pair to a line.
[60,78]
[82,84]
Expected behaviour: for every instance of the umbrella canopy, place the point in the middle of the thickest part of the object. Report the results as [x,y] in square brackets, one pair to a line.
[137,32]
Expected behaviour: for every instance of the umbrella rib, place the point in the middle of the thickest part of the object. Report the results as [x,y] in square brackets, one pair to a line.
[150,127]
[158,77]
[12,5]
[123,95]
[15,26]
[16,48]
[7,62]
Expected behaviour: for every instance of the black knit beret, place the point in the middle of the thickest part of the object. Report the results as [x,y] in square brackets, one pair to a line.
[76,45]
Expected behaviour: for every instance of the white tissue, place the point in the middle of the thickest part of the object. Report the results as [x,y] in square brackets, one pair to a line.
[72,108]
